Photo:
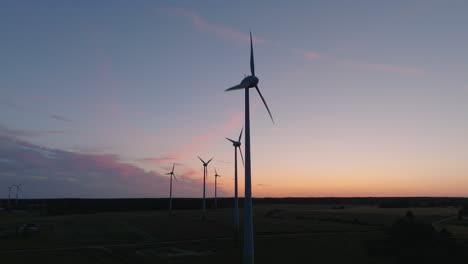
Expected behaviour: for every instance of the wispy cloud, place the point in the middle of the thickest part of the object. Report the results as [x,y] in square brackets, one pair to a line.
[228,33]
[202,24]
[61,118]
[157,160]
[306,54]
[224,162]
[202,141]
[311,55]
[90,149]
[27,133]
[199,142]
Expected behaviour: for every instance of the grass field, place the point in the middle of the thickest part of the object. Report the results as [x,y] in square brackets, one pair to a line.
[284,233]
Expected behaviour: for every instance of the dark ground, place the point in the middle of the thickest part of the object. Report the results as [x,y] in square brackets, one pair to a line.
[343,232]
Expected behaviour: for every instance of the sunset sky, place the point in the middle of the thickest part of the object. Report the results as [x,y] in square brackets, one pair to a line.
[99,98]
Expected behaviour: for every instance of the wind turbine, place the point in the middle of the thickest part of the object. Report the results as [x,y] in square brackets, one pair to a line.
[9,195]
[236,145]
[247,83]
[216,183]
[17,191]
[205,173]
[172,175]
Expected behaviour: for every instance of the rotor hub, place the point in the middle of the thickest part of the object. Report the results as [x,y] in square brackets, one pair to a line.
[250,81]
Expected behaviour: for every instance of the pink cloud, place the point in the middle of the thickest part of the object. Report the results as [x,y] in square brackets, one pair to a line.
[157,160]
[219,30]
[202,141]
[311,55]
[57,173]
[191,172]
[228,33]
[306,54]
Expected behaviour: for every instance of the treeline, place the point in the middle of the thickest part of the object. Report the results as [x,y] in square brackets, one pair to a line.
[77,206]
[85,206]
[383,202]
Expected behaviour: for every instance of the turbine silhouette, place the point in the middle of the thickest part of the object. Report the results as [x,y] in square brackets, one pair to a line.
[205,173]
[9,196]
[236,145]
[247,83]
[216,188]
[172,175]
[18,186]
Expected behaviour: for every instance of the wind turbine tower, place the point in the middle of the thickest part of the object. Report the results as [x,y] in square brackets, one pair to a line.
[18,186]
[236,145]
[171,175]
[216,188]
[205,172]
[247,83]
[9,195]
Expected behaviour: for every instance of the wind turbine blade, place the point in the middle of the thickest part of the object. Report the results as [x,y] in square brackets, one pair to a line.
[174,177]
[201,159]
[252,64]
[264,102]
[209,161]
[232,141]
[216,172]
[237,87]
[240,136]
[173,166]
[242,156]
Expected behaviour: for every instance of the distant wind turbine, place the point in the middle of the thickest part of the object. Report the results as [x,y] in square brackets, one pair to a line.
[216,188]
[236,145]
[247,83]
[172,175]
[205,173]
[9,195]
[18,186]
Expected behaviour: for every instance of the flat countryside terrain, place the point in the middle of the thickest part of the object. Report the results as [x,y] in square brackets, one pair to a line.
[283,233]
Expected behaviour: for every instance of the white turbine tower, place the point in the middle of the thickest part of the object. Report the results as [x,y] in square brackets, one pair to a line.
[172,175]
[236,145]
[205,172]
[247,83]
[216,188]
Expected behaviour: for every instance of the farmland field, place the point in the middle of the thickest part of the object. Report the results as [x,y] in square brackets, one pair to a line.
[283,233]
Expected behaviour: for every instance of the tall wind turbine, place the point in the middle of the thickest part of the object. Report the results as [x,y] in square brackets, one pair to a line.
[172,175]
[247,83]
[216,188]
[236,145]
[205,173]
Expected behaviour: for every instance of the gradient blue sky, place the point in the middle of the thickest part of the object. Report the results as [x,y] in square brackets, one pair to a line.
[369,97]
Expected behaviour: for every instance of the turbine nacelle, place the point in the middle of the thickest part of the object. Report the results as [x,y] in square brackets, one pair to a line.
[249,81]
[204,163]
